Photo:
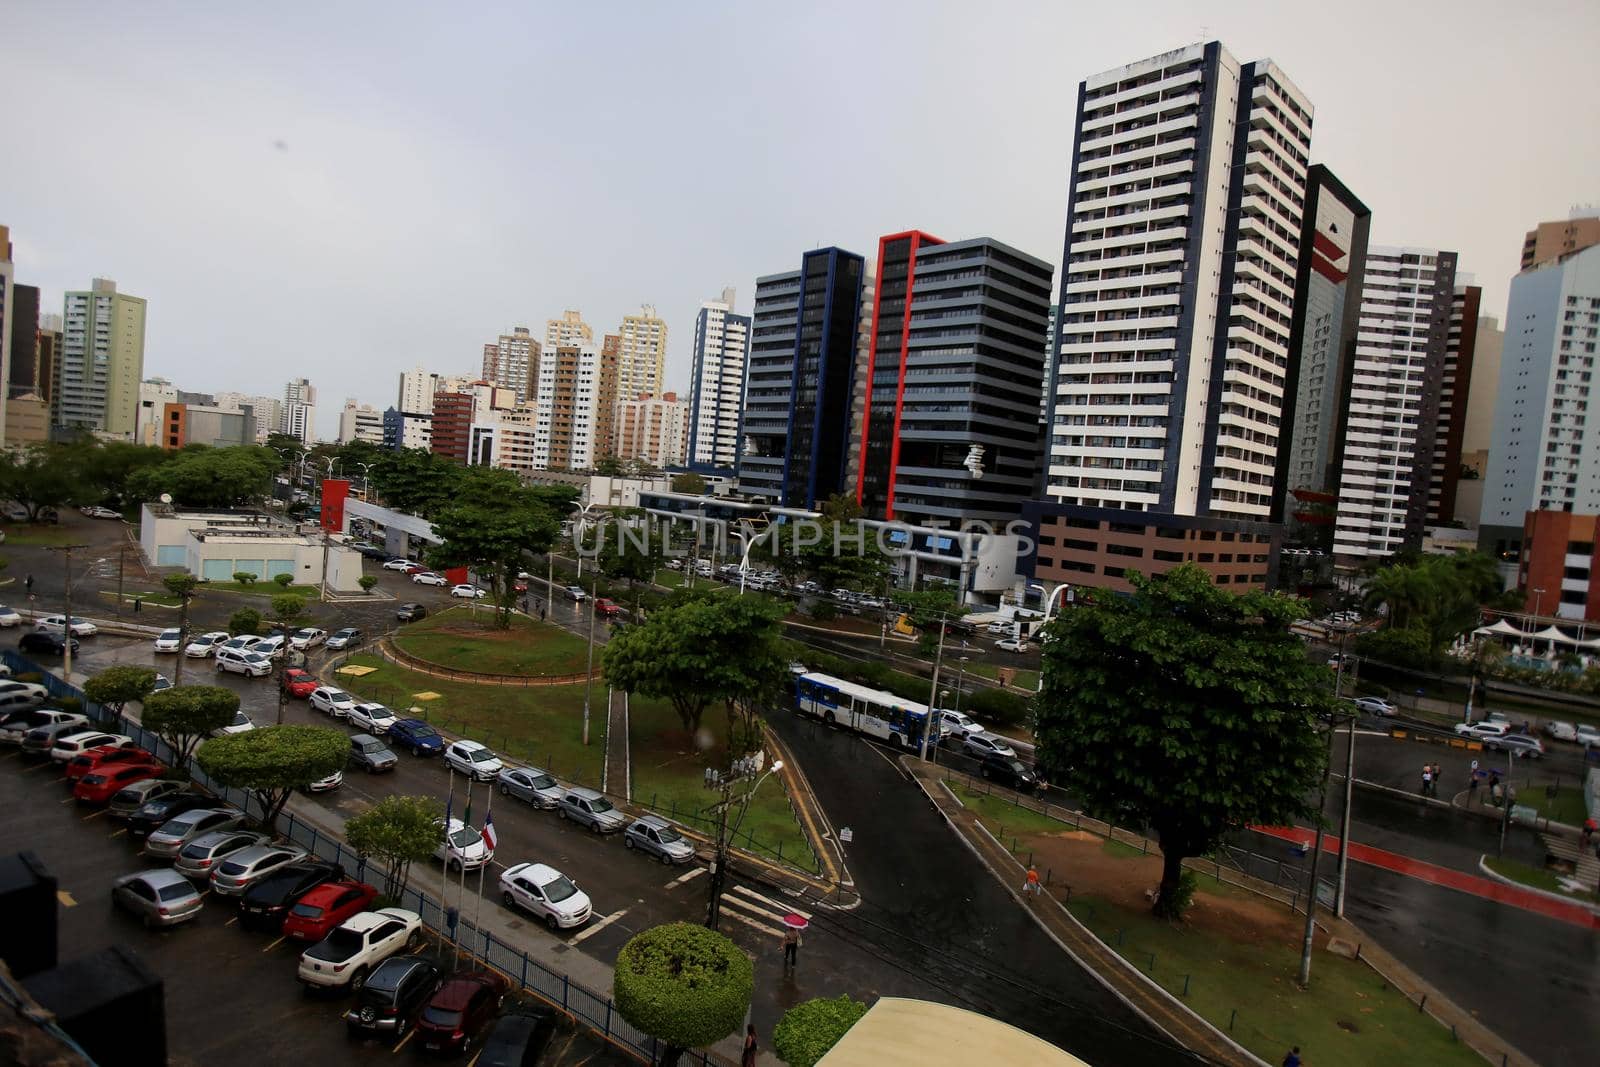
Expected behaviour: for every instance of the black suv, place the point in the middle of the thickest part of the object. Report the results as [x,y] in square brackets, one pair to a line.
[410,612]
[518,1039]
[393,995]
[265,903]
[150,816]
[47,644]
[1008,771]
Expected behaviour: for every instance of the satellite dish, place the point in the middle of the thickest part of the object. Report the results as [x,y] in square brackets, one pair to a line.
[166,498]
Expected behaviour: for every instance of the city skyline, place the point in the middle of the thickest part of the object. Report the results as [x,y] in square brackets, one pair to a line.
[305,169]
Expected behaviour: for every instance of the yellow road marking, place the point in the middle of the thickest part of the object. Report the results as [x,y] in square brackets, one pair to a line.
[94,814]
[274,945]
[409,1035]
[474,1061]
[66,899]
[68,800]
[231,921]
[120,832]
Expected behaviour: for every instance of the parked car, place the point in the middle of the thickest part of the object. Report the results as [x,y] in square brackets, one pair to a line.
[462,847]
[430,578]
[9,616]
[17,724]
[373,718]
[179,830]
[1561,731]
[44,644]
[1012,644]
[272,646]
[233,875]
[197,858]
[299,683]
[1588,736]
[351,950]
[241,643]
[162,682]
[592,810]
[249,664]
[9,686]
[99,786]
[264,905]
[57,624]
[205,645]
[307,638]
[326,785]
[393,995]
[316,913]
[349,637]
[985,743]
[1482,730]
[95,511]
[169,640]
[1524,746]
[335,702]
[655,836]
[241,724]
[473,758]
[517,1039]
[158,897]
[13,701]
[130,798]
[546,893]
[576,593]
[1008,771]
[410,612]
[399,565]
[105,758]
[955,726]
[368,752]
[156,811]
[468,592]
[1375,706]
[416,736]
[459,1011]
[61,742]
[537,787]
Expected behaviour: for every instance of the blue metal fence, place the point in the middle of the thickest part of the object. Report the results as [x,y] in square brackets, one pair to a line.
[592,1009]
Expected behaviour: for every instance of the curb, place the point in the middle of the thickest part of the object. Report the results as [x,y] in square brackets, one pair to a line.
[1490,872]
[386,648]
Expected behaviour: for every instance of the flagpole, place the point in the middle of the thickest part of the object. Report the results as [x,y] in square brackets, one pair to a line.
[461,895]
[488,831]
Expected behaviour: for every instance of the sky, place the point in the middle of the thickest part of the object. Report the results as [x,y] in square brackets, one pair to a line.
[344,190]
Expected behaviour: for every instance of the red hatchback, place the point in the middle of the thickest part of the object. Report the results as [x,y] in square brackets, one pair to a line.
[104,757]
[325,907]
[459,1010]
[299,683]
[103,783]
[606,608]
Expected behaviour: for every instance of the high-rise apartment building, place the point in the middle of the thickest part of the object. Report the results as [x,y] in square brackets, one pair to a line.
[1550,242]
[565,408]
[1392,413]
[606,397]
[414,409]
[1455,399]
[952,408]
[801,381]
[8,313]
[266,410]
[1544,453]
[183,423]
[513,362]
[49,356]
[642,355]
[1177,293]
[1322,342]
[360,422]
[569,330]
[452,425]
[299,417]
[716,392]
[653,429]
[22,319]
[102,361]
[149,423]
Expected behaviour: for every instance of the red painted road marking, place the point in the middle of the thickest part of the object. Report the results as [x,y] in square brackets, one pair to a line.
[1516,896]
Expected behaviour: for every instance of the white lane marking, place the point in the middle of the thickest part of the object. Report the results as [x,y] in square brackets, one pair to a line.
[595,927]
[728,913]
[784,909]
[682,878]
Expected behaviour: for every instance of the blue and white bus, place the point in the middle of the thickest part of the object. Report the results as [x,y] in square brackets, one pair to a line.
[873,712]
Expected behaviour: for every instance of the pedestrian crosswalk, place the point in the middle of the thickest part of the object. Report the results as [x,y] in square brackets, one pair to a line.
[757,911]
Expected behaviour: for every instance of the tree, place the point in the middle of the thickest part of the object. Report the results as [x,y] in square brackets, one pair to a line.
[273,761]
[809,1029]
[209,477]
[928,609]
[1185,708]
[835,560]
[185,715]
[43,476]
[244,578]
[118,686]
[398,831]
[689,483]
[684,985]
[366,582]
[1440,597]
[244,621]
[105,467]
[415,480]
[609,467]
[288,612]
[181,586]
[283,580]
[492,523]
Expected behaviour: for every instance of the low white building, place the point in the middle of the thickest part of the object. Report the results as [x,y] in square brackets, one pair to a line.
[216,545]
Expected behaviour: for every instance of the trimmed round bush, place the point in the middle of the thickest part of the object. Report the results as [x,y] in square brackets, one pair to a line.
[809,1029]
[683,984]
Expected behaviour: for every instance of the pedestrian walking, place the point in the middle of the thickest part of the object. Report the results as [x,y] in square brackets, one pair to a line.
[1031,883]
[1438,775]
[138,605]
[791,948]
[28,583]
[1427,779]
[1292,1057]
[1472,787]
[1589,827]
[748,1058]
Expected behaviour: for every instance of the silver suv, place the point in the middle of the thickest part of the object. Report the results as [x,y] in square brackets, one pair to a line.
[367,751]
[592,810]
[655,836]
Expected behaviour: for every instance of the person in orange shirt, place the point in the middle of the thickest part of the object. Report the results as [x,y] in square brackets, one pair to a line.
[1031,884]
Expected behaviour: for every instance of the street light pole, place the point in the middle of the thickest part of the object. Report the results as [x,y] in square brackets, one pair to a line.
[719,859]
[1538,601]
[1316,858]
[1349,786]
[935,715]
[588,678]
[66,665]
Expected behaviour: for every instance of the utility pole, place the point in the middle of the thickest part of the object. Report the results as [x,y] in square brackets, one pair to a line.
[935,714]
[742,770]
[1349,783]
[66,551]
[122,557]
[588,678]
[1316,857]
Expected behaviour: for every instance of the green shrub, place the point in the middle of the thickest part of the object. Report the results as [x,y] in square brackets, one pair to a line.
[366,582]
[1402,647]
[244,577]
[809,1029]
[683,984]
[244,621]
[70,704]
[999,707]
[284,580]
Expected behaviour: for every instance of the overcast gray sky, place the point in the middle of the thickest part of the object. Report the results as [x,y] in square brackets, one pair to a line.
[344,190]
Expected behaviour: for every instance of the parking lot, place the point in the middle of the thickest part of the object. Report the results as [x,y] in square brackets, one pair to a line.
[231,995]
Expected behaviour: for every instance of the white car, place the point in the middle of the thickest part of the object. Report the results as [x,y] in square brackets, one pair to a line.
[68,745]
[238,661]
[576,593]
[373,718]
[98,512]
[169,640]
[984,743]
[1000,629]
[9,617]
[1481,730]
[429,578]
[958,725]
[307,638]
[1012,644]
[351,950]
[1588,736]
[462,847]
[472,758]
[470,592]
[55,624]
[1375,706]
[335,702]
[241,724]
[1561,731]
[400,565]
[271,647]
[241,642]
[326,785]
[205,644]
[547,893]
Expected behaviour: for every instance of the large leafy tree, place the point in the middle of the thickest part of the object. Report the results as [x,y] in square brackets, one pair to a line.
[186,715]
[837,552]
[415,480]
[209,477]
[273,761]
[104,468]
[493,522]
[43,476]
[1184,708]
[398,831]
[116,687]
[683,984]
[1435,597]
[809,1029]
[181,586]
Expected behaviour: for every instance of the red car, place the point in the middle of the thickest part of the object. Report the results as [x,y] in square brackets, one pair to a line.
[299,683]
[606,608]
[100,785]
[459,1010]
[325,907]
[104,757]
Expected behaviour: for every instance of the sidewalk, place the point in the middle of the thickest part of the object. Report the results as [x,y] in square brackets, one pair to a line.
[617,776]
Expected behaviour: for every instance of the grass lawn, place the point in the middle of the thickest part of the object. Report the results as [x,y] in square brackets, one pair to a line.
[1001,815]
[1348,1015]
[529,648]
[41,535]
[1566,806]
[669,578]
[669,767]
[264,587]
[1028,680]
[541,725]
[161,599]
[1529,875]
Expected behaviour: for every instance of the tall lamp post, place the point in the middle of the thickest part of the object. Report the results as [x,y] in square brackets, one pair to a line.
[742,770]
[935,715]
[1538,601]
[588,678]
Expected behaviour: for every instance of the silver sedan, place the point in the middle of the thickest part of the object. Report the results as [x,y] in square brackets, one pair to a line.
[158,897]
[537,787]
